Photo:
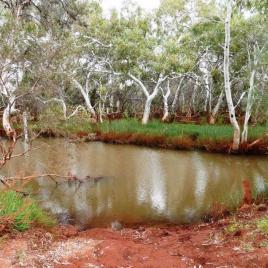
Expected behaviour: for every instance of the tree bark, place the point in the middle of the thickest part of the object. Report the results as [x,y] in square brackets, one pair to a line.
[165,100]
[227,85]
[249,107]
[85,95]
[213,115]
[175,100]
[149,97]
[25,126]
[6,120]
[147,110]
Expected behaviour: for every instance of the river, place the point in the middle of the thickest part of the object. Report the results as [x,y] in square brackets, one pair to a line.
[134,184]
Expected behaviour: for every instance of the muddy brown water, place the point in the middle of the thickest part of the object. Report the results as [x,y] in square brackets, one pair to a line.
[133,184]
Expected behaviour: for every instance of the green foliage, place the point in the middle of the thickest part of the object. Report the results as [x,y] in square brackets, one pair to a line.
[262,225]
[22,212]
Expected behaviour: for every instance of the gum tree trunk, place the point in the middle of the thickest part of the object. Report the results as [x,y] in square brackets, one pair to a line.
[149,97]
[147,110]
[84,92]
[249,107]
[227,85]
[25,126]
[165,100]
[213,115]
[175,100]
[8,112]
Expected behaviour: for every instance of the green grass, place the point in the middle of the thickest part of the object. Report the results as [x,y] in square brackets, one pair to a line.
[21,212]
[155,127]
[262,225]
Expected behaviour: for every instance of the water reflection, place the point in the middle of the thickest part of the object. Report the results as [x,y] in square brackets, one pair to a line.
[137,184]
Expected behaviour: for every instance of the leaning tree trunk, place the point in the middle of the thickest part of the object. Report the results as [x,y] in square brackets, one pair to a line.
[175,100]
[6,120]
[213,115]
[227,85]
[84,92]
[147,110]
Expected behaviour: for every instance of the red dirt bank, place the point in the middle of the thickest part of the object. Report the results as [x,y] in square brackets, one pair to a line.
[202,245]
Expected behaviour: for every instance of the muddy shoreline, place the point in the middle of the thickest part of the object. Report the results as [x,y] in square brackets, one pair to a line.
[162,142]
[187,143]
[232,241]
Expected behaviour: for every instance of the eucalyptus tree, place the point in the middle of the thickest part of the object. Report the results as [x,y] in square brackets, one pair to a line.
[135,55]
[27,28]
[173,20]
[148,49]
[14,43]
[255,41]
[227,84]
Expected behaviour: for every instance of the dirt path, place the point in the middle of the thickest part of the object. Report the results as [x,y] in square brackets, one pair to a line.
[230,242]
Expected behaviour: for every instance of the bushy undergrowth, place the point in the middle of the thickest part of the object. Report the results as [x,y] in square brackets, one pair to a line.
[20,213]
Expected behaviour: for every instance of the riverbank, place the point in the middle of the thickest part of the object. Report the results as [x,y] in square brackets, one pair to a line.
[239,240]
[177,136]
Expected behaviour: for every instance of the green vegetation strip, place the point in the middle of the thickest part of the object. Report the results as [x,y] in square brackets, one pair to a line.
[20,213]
[155,127]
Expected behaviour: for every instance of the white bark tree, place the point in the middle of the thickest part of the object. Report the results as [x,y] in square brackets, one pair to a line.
[84,90]
[10,77]
[213,115]
[149,97]
[251,90]
[25,126]
[227,84]
[204,66]
[176,96]
[165,100]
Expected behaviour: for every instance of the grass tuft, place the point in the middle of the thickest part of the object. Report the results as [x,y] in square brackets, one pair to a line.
[20,213]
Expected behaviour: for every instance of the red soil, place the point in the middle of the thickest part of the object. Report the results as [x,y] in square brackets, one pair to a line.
[201,245]
[179,143]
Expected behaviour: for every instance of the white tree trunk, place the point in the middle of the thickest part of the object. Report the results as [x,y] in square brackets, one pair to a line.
[249,106]
[118,106]
[208,93]
[149,97]
[84,93]
[6,122]
[25,126]
[147,110]
[216,109]
[165,100]
[227,85]
[8,111]
[175,100]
